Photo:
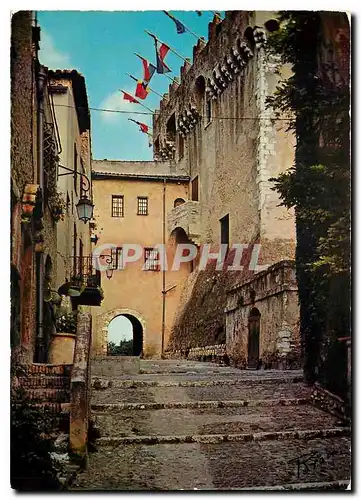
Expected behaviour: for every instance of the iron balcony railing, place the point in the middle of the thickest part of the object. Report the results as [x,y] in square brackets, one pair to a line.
[85,273]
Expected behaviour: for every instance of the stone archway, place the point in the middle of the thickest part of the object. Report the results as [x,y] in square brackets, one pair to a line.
[103,321]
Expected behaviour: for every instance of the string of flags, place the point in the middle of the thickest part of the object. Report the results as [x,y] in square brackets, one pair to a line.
[142,126]
[161,50]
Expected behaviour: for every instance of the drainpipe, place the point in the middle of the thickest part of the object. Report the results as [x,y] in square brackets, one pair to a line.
[40,354]
[163,271]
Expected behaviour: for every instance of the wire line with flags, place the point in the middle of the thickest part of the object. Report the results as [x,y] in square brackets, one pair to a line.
[165,74]
[165,47]
[148,87]
[181,28]
[160,52]
[148,69]
[130,98]
[142,126]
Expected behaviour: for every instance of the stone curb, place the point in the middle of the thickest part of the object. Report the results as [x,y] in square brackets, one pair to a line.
[220,438]
[197,383]
[322,485]
[114,407]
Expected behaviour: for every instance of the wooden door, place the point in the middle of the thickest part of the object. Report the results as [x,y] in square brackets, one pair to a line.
[253,338]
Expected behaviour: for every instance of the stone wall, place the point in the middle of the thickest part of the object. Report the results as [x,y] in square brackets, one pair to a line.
[23,172]
[22,102]
[187,217]
[273,293]
[37,233]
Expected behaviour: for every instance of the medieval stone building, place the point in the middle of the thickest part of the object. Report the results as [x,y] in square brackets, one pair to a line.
[216,126]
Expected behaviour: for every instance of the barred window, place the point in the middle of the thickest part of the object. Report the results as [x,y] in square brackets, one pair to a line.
[117,258]
[142,205]
[151,258]
[117,206]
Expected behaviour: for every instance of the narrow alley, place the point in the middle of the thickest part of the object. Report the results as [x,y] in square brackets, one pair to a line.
[181,285]
[182,425]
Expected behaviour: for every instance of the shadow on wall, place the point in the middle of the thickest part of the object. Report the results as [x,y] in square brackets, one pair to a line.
[202,319]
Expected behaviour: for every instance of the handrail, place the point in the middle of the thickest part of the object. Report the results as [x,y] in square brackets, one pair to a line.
[80,389]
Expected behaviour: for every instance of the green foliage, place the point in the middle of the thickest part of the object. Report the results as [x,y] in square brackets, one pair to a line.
[124,348]
[66,321]
[317,186]
[57,206]
[31,467]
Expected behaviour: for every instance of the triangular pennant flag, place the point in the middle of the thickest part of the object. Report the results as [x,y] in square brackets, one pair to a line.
[143,127]
[180,26]
[128,97]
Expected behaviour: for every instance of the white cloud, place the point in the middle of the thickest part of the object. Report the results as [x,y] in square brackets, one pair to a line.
[50,56]
[117,102]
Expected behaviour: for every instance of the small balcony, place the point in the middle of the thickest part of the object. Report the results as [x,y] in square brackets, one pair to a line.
[187,217]
[84,285]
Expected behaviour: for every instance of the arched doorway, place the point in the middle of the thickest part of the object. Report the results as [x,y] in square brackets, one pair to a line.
[254,320]
[125,336]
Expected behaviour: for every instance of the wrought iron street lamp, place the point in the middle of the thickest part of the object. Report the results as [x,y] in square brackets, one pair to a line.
[85,206]
[109,272]
[108,260]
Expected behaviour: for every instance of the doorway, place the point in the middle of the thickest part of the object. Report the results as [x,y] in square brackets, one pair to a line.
[254,321]
[125,336]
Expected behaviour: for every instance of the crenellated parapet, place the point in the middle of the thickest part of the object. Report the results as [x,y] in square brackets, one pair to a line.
[188,119]
[233,43]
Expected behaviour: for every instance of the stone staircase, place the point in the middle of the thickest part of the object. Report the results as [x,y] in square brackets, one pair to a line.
[48,387]
[181,425]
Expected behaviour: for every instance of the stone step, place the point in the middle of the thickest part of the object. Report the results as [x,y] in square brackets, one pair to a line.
[218,421]
[166,394]
[45,381]
[116,407]
[58,413]
[222,438]
[42,395]
[191,381]
[221,465]
[47,369]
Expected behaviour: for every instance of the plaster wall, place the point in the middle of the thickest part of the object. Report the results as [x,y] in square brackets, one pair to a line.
[132,290]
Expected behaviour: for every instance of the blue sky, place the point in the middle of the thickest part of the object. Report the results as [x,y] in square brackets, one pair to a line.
[101,45]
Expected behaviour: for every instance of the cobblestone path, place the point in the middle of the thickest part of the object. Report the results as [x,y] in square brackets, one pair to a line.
[182,425]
